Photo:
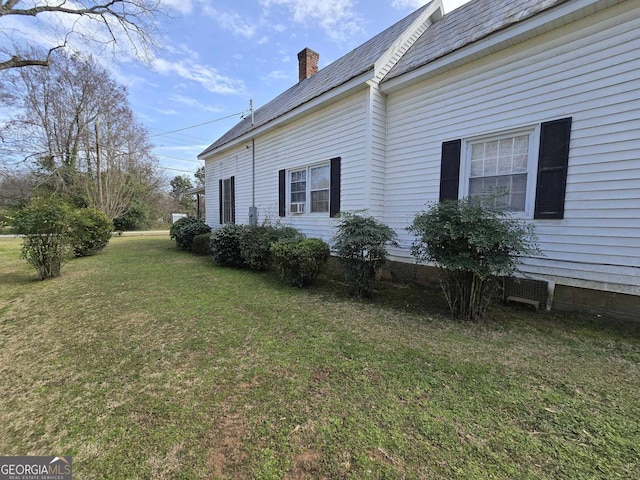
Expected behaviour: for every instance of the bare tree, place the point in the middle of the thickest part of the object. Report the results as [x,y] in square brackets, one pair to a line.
[80,133]
[103,22]
[16,186]
[124,169]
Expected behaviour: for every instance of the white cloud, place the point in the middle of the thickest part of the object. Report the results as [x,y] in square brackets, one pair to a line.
[182,50]
[192,102]
[336,17]
[182,6]
[167,111]
[232,21]
[412,4]
[206,76]
[276,75]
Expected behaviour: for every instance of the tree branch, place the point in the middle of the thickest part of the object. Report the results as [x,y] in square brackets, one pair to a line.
[134,18]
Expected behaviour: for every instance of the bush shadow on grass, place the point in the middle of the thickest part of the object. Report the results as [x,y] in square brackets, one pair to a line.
[14,279]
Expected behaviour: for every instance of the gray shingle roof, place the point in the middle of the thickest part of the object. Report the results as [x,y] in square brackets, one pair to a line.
[465,25]
[354,63]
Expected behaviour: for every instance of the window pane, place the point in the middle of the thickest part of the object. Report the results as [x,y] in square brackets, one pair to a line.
[320,201]
[491,149]
[505,147]
[299,176]
[477,151]
[521,145]
[320,178]
[476,168]
[520,163]
[490,166]
[298,197]
[504,165]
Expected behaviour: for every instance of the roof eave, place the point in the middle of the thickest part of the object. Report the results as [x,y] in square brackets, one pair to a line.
[350,86]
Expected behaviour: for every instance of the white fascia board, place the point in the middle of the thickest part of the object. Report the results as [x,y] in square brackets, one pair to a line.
[434,12]
[533,27]
[351,86]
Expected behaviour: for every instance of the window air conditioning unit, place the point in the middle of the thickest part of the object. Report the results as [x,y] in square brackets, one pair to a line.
[297,208]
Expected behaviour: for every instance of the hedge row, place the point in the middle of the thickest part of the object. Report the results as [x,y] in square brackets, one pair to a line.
[297,259]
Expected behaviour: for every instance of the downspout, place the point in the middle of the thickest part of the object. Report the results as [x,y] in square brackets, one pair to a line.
[253,210]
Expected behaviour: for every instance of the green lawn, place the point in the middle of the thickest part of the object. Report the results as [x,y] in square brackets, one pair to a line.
[147,362]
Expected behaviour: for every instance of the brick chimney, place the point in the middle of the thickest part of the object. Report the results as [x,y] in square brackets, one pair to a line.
[307,63]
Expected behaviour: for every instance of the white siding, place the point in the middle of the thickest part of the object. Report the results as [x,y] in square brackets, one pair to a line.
[375,149]
[589,71]
[237,163]
[337,130]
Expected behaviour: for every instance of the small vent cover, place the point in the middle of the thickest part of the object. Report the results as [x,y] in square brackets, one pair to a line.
[525,290]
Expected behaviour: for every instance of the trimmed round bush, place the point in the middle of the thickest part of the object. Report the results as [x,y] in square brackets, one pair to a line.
[300,262]
[186,230]
[361,244]
[256,241]
[176,226]
[202,244]
[90,231]
[225,245]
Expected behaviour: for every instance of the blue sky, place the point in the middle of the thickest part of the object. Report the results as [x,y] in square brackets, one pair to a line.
[215,56]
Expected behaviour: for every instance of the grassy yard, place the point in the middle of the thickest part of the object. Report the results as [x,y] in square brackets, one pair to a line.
[147,362]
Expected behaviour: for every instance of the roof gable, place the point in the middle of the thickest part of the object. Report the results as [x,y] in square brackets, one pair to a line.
[465,25]
[351,65]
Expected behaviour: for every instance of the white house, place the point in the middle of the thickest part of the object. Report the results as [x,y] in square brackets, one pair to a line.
[540,96]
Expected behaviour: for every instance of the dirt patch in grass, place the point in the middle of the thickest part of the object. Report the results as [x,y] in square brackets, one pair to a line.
[227,440]
[307,464]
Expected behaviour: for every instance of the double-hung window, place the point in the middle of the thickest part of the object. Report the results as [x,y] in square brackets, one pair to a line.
[499,166]
[309,190]
[528,166]
[314,189]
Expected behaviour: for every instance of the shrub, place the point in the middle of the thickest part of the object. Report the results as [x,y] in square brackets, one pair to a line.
[256,241]
[300,262]
[138,217]
[471,241]
[185,229]
[202,244]
[176,226]
[225,245]
[90,231]
[45,226]
[361,244]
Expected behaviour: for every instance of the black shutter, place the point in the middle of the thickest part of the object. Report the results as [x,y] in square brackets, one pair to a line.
[233,199]
[450,170]
[220,201]
[334,189]
[553,160]
[282,193]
